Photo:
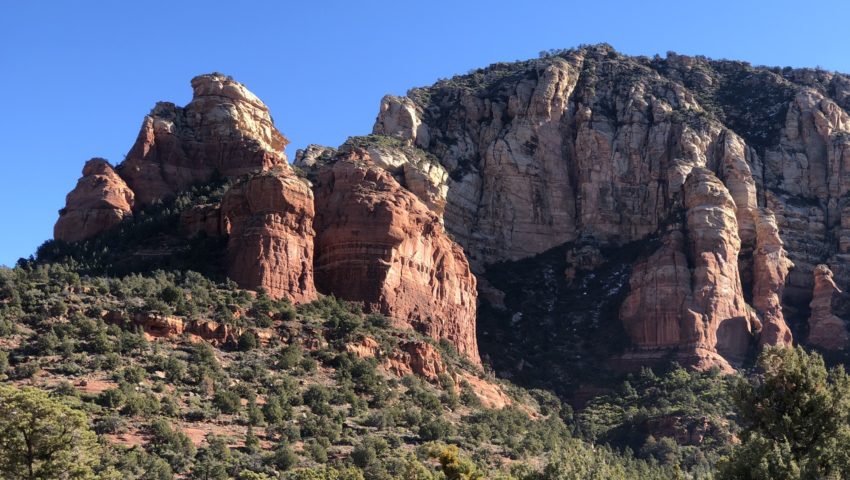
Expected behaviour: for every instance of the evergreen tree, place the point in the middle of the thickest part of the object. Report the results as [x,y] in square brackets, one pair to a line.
[795,415]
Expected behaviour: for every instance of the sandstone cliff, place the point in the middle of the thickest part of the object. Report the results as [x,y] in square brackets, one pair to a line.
[225,129]
[591,145]
[269,220]
[100,201]
[379,244]
[687,297]
[826,329]
[740,171]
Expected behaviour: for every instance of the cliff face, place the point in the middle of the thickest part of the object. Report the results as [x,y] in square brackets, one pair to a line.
[269,220]
[588,144]
[100,201]
[381,240]
[737,175]
[379,244]
[828,330]
[688,295]
[224,129]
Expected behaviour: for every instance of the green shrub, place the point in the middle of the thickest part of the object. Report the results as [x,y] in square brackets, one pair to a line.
[227,401]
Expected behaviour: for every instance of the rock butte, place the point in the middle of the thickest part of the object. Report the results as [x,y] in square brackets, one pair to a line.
[378,243]
[737,174]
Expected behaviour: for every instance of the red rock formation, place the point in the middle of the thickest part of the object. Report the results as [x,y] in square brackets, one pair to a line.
[770,268]
[173,327]
[269,218]
[379,244]
[727,321]
[687,297]
[489,394]
[419,358]
[826,330]
[659,297]
[410,358]
[224,129]
[204,219]
[100,201]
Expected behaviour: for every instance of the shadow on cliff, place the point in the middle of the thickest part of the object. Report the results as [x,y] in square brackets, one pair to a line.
[557,334]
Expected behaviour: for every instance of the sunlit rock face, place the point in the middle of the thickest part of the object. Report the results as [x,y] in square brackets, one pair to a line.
[224,130]
[379,244]
[100,201]
[588,144]
[269,220]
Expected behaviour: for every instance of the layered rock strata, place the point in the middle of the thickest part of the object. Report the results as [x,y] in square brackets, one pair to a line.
[269,220]
[100,201]
[687,297]
[377,243]
[224,130]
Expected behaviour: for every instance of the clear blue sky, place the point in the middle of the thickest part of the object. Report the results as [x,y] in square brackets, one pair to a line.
[76,78]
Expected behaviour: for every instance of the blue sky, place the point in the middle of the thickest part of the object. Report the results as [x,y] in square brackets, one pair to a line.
[76,78]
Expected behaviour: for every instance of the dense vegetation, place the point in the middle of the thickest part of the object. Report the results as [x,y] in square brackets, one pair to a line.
[88,394]
[296,405]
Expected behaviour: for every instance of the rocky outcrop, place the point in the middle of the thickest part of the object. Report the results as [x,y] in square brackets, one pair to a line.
[313,156]
[100,201]
[400,117]
[658,305]
[591,144]
[379,244]
[516,200]
[770,270]
[687,297]
[174,327]
[225,130]
[269,220]
[826,329]
[415,170]
[422,359]
[408,358]
[727,322]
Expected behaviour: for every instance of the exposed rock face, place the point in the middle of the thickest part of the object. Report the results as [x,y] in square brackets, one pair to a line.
[400,117]
[379,244]
[518,200]
[269,218]
[420,358]
[173,327]
[516,159]
[412,168]
[713,243]
[771,266]
[660,295]
[100,201]
[224,129]
[826,329]
[588,143]
[423,177]
[204,219]
[688,297]
[313,156]
[417,358]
